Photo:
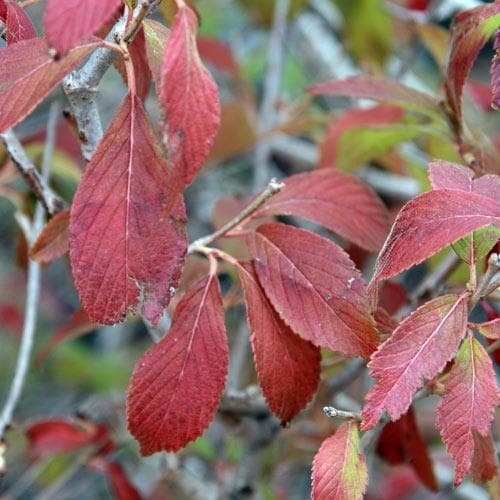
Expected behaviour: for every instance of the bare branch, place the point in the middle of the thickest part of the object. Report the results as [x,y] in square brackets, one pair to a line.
[37,183]
[332,412]
[272,188]
[32,291]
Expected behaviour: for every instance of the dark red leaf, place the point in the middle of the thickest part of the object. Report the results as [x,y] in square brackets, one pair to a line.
[66,24]
[354,118]
[378,89]
[278,351]
[386,324]
[401,442]
[79,324]
[315,288]
[177,384]
[120,484]
[137,51]
[338,201]
[417,350]
[218,54]
[470,31]
[17,23]
[48,437]
[429,223]
[480,93]
[484,463]
[468,405]
[189,97]
[124,252]
[339,468]
[28,74]
[52,242]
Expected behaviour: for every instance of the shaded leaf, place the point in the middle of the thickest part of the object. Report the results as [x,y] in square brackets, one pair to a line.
[337,201]
[218,54]
[470,31]
[468,404]
[436,40]
[495,74]
[156,38]
[354,118]
[288,366]
[401,442]
[118,479]
[418,350]
[79,324]
[315,288]
[378,89]
[484,464]
[339,468]
[65,25]
[177,384]
[429,223]
[189,97]
[52,242]
[28,74]
[124,252]
[17,23]
[490,329]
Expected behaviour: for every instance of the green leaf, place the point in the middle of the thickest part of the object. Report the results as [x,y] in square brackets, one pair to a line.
[480,242]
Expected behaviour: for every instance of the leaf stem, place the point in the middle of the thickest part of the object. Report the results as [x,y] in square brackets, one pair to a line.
[272,188]
[135,25]
[483,287]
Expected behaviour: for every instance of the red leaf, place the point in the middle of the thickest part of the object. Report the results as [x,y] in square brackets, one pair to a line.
[17,23]
[79,324]
[28,74]
[490,329]
[218,54]
[315,288]
[339,468]
[484,463]
[429,223]
[377,89]
[480,93]
[137,51]
[120,484]
[386,324]
[65,25]
[176,385]
[417,350]
[278,351]
[401,442]
[446,175]
[48,437]
[468,405]
[123,250]
[52,242]
[495,74]
[471,30]
[189,96]
[338,201]
[354,118]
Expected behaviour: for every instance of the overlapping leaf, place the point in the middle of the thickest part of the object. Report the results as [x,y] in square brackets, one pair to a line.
[278,351]
[338,201]
[468,405]
[52,242]
[68,22]
[189,97]
[401,442]
[156,38]
[315,288]
[484,461]
[17,23]
[431,222]
[176,385]
[339,468]
[353,119]
[490,329]
[417,350]
[470,31]
[124,251]
[28,74]
[376,88]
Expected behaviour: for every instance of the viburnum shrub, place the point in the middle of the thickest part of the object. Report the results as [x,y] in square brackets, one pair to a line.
[125,229]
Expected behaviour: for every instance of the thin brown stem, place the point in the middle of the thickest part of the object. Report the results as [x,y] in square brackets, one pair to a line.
[272,188]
